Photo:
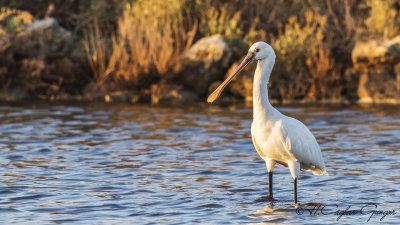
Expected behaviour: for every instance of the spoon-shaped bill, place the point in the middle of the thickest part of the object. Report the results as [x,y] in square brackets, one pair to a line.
[213,96]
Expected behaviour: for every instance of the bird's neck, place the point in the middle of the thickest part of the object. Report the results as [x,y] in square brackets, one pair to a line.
[261,104]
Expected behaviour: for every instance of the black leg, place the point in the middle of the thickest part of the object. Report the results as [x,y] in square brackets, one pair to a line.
[295,190]
[270,196]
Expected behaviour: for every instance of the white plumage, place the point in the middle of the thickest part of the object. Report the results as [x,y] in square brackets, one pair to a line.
[277,138]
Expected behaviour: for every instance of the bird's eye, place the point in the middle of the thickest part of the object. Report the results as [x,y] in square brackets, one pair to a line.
[257,50]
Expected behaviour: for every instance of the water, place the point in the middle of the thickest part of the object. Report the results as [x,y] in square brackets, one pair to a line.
[130,164]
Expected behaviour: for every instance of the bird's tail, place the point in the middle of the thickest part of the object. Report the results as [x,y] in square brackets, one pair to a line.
[317,171]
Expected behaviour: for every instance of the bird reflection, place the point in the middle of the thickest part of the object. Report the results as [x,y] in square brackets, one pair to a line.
[273,213]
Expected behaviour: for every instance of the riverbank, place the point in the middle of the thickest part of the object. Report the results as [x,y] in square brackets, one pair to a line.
[115,52]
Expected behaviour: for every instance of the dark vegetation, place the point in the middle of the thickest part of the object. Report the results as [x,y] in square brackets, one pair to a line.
[100,47]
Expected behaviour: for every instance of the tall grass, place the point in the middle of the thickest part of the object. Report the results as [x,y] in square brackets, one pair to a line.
[151,35]
[96,50]
[325,75]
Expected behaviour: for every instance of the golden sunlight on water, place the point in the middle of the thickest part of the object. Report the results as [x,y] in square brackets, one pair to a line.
[190,164]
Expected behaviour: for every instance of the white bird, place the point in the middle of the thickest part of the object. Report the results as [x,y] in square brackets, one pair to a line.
[278,139]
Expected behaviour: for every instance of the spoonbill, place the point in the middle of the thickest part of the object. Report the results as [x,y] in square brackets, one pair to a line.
[278,139]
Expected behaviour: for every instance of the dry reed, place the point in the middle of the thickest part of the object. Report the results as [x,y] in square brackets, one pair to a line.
[150,38]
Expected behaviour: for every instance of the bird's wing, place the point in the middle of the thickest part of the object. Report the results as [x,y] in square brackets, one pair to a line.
[299,141]
[257,147]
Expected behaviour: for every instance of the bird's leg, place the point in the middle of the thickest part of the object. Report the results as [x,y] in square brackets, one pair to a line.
[294,168]
[295,190]
[270,167]
[270,196]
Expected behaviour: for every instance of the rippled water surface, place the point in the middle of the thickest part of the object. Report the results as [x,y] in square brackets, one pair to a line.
[129,164]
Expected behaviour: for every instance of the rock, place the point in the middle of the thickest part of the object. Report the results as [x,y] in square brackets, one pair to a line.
[376,63]
[12,95]
[47,23]
[38,61]
[206,61]
[164,92]
[121,96]
[374,52]
[350,84]
[378,86]
[181,95]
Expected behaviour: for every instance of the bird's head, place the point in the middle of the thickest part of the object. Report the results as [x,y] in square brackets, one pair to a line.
[258,51]
[262,50]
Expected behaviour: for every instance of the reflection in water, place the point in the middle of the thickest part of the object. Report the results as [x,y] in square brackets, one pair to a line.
[186,164]
[273,214]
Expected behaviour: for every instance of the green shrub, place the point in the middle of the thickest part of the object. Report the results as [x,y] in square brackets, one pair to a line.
[383,21]
[293,46]
[15,20]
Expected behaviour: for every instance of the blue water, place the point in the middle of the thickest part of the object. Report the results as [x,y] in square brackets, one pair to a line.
[193,164]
